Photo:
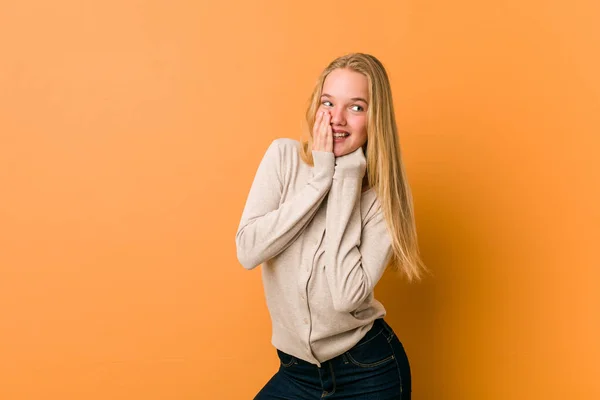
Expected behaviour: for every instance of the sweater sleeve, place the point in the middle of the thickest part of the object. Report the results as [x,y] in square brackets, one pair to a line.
[268,227]
[355,257]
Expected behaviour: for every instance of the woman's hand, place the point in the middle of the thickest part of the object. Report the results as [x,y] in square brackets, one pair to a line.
[322,133]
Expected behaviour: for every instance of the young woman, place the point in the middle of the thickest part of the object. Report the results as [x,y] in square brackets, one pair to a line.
[325,218]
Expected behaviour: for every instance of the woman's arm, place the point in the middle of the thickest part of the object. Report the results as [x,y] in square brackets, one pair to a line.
[266,227]
[355,257]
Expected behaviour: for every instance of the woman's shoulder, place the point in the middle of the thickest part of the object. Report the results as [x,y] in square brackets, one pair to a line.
[286,149]
[286,143]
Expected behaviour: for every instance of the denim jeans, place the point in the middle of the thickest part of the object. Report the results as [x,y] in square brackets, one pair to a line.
[376,368]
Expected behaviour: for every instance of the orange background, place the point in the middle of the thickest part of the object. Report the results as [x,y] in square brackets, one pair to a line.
[130,132]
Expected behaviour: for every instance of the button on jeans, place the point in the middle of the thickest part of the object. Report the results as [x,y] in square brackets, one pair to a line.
[376,368]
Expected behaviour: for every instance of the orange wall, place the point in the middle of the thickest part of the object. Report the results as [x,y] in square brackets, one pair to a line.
[129,135]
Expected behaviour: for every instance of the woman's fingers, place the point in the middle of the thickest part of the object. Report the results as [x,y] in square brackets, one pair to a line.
[315,130]
[322,134]
[317,135]
[329,139]
[324,125]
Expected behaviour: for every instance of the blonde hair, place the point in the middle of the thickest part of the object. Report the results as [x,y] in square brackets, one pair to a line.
[385,171]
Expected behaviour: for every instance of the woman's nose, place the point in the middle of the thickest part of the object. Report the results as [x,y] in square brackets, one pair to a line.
[338,117]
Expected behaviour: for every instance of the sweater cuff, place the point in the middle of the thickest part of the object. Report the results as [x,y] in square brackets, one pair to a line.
[324,162]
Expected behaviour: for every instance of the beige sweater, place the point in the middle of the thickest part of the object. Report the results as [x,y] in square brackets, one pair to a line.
[323,246]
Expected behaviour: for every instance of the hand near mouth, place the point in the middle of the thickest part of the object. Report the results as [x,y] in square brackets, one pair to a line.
[322,133]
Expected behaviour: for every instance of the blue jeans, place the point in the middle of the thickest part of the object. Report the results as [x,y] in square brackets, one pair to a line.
[376,368]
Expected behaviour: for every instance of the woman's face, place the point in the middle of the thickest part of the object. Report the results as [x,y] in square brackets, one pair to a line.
[345,95]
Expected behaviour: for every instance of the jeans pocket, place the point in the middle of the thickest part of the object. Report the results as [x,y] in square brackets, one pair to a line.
[374,351]
[286,360]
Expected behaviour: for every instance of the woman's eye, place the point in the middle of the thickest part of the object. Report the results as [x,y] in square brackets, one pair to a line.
[359,108]
[326,103]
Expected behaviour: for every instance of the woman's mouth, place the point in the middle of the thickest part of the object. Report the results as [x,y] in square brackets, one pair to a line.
[339,136]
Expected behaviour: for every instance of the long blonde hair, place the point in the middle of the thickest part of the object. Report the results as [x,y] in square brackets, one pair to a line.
[385,170]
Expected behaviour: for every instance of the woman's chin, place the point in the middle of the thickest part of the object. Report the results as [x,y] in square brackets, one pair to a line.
[340,149]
